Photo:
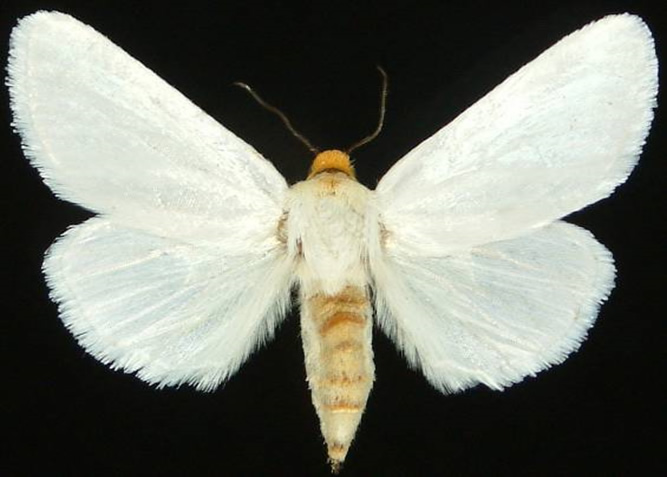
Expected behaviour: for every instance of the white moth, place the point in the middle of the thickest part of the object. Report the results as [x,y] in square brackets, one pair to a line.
[460,249]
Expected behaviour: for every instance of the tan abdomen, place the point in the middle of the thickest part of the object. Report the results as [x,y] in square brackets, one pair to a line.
[336,331]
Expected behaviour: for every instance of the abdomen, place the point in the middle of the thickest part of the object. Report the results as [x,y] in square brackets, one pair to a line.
[336,331]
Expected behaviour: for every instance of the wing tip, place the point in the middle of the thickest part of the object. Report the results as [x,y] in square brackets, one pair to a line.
[628,25]
[41,17]
[624,27]
[16,72]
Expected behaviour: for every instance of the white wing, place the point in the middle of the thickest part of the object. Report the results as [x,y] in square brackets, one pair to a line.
[472,282]
[170,311]
[497,312]
[110,135]
[559,134]
[183,274]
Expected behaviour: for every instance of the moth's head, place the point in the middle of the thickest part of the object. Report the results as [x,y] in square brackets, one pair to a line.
[332,161]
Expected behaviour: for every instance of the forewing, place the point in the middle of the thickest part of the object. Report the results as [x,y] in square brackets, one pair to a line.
[170,311]
[498,312]
[110,135]
[559,134]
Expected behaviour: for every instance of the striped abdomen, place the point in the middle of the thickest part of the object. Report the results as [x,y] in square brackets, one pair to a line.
[336,331]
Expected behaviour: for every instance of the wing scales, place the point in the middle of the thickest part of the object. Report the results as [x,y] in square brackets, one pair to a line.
[182,276]
[477,281]
[498,312]
[559,134]
[110,135]
[170,311]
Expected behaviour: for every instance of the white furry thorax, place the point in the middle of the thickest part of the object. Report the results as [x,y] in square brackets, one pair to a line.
[326,228]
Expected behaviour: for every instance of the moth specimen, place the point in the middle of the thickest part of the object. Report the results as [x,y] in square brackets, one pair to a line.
[459,254]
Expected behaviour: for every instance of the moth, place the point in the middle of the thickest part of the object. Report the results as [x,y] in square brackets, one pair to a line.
[459,255]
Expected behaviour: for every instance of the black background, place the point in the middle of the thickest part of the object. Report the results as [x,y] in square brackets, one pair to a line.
[599,413]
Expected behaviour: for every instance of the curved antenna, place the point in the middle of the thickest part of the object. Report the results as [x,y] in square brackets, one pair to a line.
[280,114]
[383,107]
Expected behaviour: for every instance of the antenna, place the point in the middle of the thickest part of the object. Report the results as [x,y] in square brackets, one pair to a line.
[383,104]
[280,114]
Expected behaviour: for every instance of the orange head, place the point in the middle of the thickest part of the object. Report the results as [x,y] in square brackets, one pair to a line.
[332,161]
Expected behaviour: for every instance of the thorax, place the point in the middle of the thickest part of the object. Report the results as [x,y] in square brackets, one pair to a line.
[325,227]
